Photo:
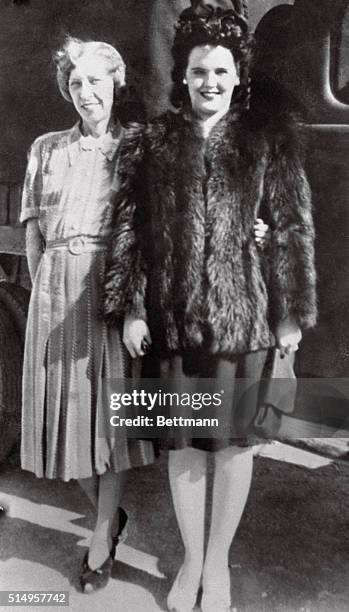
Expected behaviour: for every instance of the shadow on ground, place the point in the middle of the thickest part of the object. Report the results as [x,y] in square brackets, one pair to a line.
[290,552]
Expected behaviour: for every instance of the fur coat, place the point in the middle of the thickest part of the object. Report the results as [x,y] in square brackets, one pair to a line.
[183,254]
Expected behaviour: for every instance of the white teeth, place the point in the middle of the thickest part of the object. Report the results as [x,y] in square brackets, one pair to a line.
[209,93]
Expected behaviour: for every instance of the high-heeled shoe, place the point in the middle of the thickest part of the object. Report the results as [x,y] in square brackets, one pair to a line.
[122,532]
[92,580]
[180,599]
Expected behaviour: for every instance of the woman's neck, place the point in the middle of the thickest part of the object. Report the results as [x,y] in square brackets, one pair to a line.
[207,123]
[96,130]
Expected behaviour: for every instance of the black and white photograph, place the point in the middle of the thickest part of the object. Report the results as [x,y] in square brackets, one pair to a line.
[174,305]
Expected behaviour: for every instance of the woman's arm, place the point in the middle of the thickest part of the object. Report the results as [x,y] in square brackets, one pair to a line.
[126,268]
[34,244]
[126,279]
[31,196]
[291,250]
[125,275]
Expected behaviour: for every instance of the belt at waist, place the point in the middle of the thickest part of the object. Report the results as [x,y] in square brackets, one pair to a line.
[78,244]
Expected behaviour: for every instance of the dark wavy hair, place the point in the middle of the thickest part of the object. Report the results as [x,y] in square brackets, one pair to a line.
[222,29]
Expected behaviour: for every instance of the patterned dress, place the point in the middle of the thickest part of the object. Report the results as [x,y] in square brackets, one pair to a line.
[69,187]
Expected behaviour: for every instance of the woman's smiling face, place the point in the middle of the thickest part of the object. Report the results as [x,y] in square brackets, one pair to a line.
[211,76]
[91,86]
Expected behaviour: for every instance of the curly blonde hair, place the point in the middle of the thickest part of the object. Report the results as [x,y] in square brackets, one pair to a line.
[74,48]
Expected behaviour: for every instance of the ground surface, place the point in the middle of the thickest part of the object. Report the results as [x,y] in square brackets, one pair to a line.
[290,553]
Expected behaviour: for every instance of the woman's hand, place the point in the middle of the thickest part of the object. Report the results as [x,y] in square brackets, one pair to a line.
[261,233]
[288,336]
[136,336]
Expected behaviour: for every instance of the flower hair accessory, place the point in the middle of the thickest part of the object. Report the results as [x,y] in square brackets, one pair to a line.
[240,6]
[215,22]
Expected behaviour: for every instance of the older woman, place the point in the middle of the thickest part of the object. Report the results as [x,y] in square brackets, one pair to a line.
[67,205]
[193,283]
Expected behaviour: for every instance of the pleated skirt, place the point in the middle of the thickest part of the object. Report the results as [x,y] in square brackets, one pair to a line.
[69,352]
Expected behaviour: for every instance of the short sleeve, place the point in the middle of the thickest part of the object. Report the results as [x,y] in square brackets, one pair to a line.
[32,188]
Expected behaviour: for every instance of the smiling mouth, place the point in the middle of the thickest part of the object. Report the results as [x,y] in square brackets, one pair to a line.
[208,95]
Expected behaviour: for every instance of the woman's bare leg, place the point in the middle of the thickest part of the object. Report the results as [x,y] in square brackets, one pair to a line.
[187,474]
[90,487]
[232,480]
[105,492]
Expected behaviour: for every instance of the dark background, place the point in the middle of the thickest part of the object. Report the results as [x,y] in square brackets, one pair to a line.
[30,32]
[306,44]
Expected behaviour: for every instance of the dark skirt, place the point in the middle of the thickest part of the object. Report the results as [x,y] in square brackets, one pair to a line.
[194,372]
